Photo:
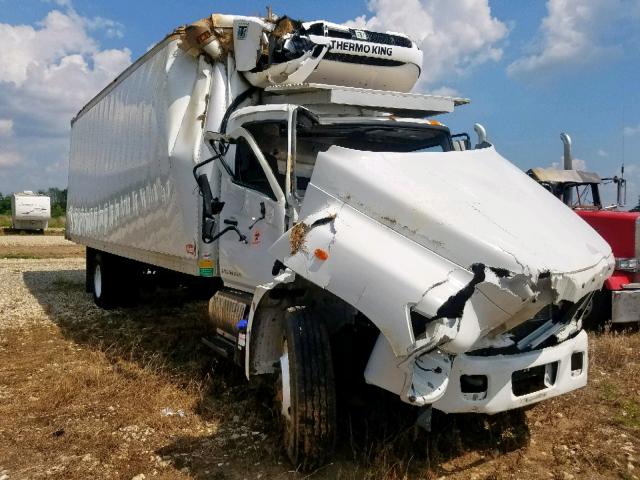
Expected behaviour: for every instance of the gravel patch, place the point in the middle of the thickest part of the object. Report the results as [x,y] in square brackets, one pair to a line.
[29,288]
[33,241]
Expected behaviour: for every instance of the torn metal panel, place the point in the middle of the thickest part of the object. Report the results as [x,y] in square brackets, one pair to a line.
[375,270]
[276,51]
[436,275]
[419,381]
[463,259]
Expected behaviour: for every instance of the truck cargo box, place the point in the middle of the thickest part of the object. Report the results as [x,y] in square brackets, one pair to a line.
[131,191]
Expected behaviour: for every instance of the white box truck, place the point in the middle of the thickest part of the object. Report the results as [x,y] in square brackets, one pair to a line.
[30,211]
[285,164]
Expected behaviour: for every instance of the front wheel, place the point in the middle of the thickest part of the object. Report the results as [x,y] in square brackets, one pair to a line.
[306,390]
[598,314]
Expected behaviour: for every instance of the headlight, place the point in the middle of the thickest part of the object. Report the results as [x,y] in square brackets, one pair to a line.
[627,264]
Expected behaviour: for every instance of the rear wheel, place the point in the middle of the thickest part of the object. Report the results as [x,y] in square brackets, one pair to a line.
[306,390]
[104,281]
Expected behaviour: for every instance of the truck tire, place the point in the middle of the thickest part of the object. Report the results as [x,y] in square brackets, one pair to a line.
[599,312]
[104,285]
[90,258]
[305,390]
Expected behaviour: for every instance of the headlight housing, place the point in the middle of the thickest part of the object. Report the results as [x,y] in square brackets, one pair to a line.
[627,264]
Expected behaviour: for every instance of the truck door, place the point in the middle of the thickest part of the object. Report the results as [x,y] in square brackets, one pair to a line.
[255,205]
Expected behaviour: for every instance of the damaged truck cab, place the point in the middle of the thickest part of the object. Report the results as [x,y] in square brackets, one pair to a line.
[325,206]
[379,217]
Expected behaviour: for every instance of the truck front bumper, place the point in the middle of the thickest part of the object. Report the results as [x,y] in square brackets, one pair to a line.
[494,384]
[625,306]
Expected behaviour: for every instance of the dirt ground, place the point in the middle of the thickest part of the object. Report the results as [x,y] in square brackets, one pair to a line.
[134,394]
[38,246]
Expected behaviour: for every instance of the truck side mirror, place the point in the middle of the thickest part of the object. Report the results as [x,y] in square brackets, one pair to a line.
[461,142]
[210,139]
[210,207]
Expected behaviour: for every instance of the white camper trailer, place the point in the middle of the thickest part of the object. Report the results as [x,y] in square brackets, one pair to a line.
[30,211]
[318,207]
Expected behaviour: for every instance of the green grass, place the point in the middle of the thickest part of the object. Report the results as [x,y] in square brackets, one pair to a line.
[630,414]
[20,256]
[55,222]
[609,392]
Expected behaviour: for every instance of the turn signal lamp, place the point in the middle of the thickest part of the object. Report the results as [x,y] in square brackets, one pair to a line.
[321,254]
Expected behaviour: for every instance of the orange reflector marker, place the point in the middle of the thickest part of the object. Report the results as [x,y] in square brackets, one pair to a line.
[321,254]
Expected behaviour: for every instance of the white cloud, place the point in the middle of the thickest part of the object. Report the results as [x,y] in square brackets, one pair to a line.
[445,92]
[111,28]
[576,164]
[454,35]
[9,159]
[602,153]
[579,164]
[572,35]
[6,127]
[48,71]
[632,131]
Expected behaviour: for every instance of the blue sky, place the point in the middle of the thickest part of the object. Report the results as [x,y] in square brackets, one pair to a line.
[531,69]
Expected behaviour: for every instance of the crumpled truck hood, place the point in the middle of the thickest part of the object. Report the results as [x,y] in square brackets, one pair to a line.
[453,235]
[468,207]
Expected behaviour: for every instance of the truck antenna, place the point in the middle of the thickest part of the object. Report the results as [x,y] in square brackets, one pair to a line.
[622,187]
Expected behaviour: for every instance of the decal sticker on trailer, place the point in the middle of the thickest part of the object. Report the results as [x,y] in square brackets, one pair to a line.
[207,267]
[241,33]
[256,238]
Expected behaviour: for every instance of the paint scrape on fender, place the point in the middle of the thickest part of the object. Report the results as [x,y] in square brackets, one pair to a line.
[298,233]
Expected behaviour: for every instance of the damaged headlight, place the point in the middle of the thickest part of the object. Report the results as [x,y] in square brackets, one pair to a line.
[627,264]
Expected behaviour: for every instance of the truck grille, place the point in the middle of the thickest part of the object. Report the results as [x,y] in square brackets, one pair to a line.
[534,379]
[386,39]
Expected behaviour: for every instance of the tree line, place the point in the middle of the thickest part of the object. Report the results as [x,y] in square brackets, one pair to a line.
[58,201]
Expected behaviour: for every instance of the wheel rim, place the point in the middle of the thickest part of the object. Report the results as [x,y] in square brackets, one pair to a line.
[97,281]
[283,396]
[285,385]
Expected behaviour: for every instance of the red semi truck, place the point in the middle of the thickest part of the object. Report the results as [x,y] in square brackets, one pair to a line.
[619,299]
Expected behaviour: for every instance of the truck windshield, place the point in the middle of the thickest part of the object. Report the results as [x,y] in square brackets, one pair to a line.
[313,137]
[374,137]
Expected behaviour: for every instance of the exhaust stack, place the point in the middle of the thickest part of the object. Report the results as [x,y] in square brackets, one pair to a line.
[568,159]
[567,195]
[482,135]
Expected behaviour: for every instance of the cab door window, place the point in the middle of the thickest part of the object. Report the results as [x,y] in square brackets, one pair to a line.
[247,170]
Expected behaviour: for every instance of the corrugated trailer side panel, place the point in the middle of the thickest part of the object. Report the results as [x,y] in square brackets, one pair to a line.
[131,192]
